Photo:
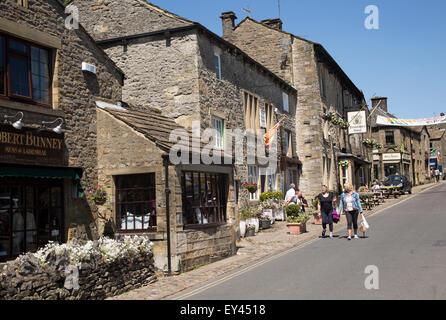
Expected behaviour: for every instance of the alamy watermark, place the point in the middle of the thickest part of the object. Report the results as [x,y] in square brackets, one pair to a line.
[72,20]
[371,282]
[372,20]
[210,146]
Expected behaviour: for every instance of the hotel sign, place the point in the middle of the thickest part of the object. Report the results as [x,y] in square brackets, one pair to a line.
[31,146]
[391,156]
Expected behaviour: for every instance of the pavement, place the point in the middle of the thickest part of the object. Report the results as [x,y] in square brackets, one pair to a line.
[276,265]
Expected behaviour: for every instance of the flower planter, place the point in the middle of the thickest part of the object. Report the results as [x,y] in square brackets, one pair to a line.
[100,201]
[279,214]
[255,222]
[296,228]
[250,233]
[242,228]
[270,214]
[318,220]
[265,224]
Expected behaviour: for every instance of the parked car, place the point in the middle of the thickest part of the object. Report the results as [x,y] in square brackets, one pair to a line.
[402,183]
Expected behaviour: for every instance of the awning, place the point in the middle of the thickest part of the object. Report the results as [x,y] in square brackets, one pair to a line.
[353,157]
[42,173]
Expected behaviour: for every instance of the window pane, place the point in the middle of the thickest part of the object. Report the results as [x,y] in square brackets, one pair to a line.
[19,76]
[2,65]
[18,46]
[40,75]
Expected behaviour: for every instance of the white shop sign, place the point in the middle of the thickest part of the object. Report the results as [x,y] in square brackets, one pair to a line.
[376,157]
[391,156]
[358,122]
[406,157]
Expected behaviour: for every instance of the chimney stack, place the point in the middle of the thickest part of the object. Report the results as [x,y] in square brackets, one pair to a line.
[228,21]
[273,23]
[381,101]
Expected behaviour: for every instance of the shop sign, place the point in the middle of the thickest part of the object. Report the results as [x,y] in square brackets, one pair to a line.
[406,157]
[391,156]
[31,146]
[358,122]
[376,157]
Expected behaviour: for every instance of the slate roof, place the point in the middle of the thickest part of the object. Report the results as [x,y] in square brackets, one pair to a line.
[151,124]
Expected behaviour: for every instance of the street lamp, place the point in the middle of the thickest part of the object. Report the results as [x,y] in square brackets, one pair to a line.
[18,124]
[57,129]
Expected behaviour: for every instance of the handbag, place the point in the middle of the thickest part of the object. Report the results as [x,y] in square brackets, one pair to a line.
[336,216]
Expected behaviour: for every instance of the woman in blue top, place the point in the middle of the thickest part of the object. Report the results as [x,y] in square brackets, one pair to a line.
[350,204]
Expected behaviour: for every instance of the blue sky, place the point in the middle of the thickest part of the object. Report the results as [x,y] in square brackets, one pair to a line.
[405,60]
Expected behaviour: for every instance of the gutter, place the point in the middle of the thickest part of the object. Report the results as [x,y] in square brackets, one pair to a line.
[166,163]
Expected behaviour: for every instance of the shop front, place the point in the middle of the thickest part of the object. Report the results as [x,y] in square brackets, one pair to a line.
[33,184]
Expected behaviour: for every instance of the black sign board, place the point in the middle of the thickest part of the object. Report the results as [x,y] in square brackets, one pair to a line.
[31,146]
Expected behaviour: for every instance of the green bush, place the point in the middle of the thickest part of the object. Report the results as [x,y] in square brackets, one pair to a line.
[277,195]
[303,218]
[293,210]
[266,196]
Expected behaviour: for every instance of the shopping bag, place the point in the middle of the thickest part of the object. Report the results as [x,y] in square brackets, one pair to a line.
[365,223]
[336,216]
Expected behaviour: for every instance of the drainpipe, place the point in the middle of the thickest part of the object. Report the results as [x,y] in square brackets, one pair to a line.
[167,190]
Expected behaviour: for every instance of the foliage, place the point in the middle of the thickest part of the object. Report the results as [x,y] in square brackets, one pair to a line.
[278,195]
[251,187]
[344,163]
[264,217]
[250,227]
[371,143]
[267,205]
[248,213]
[293,210]
[303,218]
[268,195]
[341,123]
[98,194]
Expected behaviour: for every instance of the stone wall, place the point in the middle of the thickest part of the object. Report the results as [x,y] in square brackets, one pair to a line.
[74,95]
[26,278]
[105,19]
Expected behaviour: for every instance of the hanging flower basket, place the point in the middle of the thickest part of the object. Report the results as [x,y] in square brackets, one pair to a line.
[344,163]
[99,196]
[341,123]
[251,187]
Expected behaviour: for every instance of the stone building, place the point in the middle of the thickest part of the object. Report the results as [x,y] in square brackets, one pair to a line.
[323,87]
[44,168]
[405,149]
[437,147]
[191,75]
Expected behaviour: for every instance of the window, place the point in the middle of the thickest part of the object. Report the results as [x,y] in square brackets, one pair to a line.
[286,102]
[136,202]
[24,71]
[344,175]
[204,198]
[287,144]
[219,131]
[252,120]
[218,66]
[269,115]
[390,138]
[2,66]
[22,3]
[253,177]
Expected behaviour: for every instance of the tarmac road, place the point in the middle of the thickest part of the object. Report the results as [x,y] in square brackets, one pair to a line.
[407,244]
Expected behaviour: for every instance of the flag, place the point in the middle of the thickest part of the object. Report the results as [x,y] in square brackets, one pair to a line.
[269,136]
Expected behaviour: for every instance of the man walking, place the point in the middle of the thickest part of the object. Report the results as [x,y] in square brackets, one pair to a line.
[437,175]
[291,194]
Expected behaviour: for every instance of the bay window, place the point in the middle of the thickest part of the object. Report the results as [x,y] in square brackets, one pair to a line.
[136,202]
[24,71]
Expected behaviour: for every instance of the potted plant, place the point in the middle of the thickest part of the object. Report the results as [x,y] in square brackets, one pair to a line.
[244,215]
[265,221]
[252,218]
[251,187]
[293,211]
[250,230]
[303,218]
[99,196]
[266,208]
[315,212]
[278,212]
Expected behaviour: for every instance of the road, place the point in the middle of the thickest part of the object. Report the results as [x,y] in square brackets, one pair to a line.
[407,244]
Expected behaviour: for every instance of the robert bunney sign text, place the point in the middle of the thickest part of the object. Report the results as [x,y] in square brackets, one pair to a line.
[31,146]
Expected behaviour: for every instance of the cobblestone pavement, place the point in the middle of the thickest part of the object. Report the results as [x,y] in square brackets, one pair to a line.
[265,243]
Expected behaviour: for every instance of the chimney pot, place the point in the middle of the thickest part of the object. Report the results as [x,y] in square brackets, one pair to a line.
[273,23]
[228,21]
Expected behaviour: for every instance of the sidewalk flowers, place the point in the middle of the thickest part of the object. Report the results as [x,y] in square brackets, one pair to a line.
[337,121]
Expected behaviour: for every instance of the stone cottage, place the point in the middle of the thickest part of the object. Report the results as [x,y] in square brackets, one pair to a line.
[405,149]
[195,78]
[323,87]
[48,130]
